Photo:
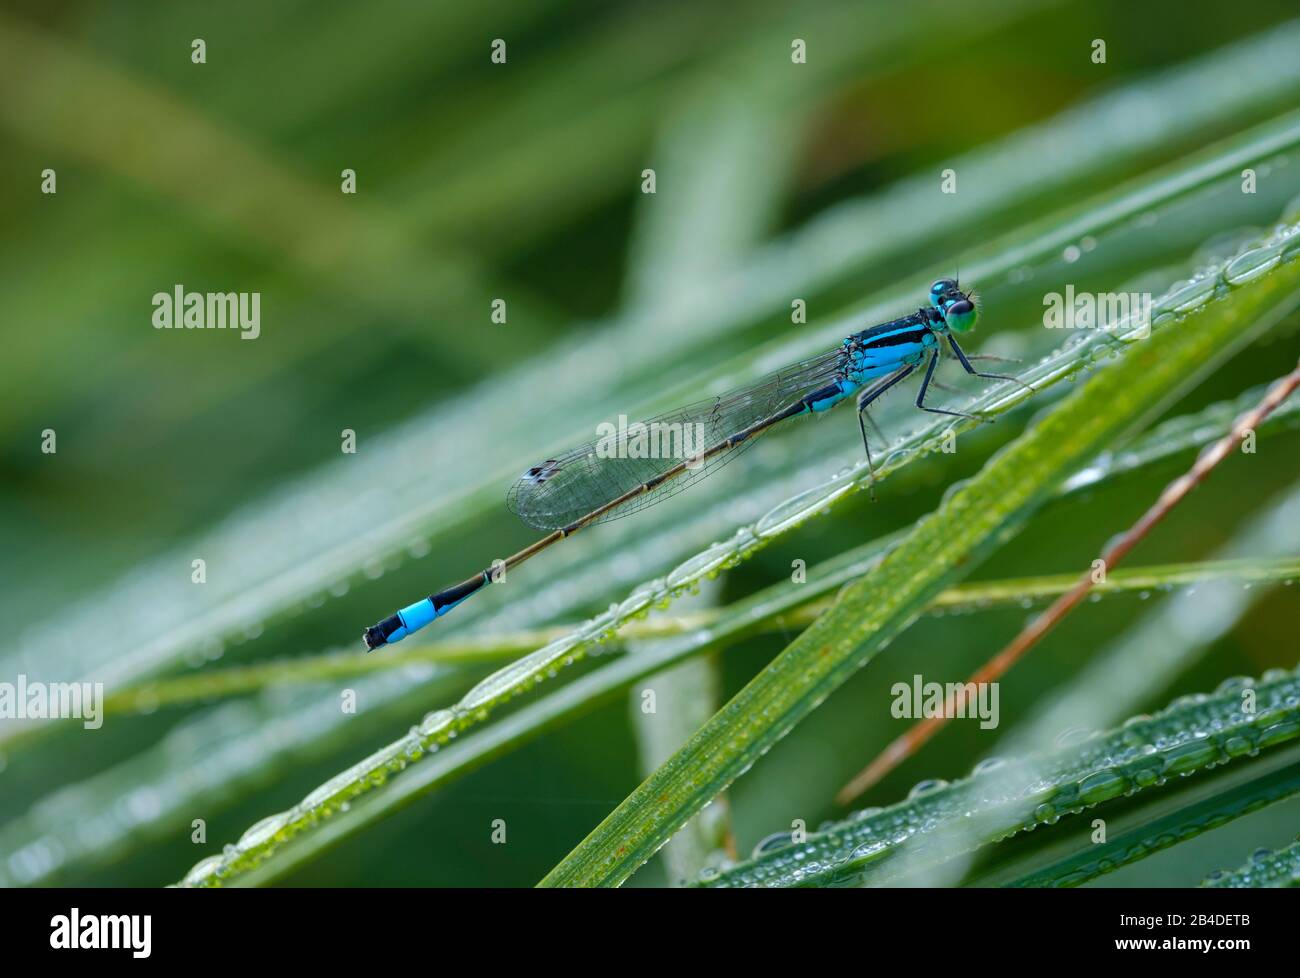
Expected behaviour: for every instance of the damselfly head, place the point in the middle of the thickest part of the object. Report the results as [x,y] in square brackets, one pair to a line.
[960,309]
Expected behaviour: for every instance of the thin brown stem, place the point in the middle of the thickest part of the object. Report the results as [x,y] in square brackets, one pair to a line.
[1174,493]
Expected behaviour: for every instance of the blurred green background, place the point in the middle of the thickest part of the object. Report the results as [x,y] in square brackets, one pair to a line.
[519,181]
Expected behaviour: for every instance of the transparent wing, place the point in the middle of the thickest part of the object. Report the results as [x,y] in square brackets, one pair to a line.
[560,490]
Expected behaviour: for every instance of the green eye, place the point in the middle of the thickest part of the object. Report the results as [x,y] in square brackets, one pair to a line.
[961,315]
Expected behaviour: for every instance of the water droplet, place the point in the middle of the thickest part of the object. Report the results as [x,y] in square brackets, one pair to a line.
[926,787]
[771,843]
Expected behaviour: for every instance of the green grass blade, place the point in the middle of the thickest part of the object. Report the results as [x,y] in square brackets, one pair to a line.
[1132,670]
[1261,783]
[490,650]
[940,821]
[968,525]
[1164,358]
[1265,869]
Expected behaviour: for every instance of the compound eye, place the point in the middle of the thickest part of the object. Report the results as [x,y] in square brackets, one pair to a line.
[942,285]
[960,308]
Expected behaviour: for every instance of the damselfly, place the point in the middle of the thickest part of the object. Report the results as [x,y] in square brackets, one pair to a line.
[597,482]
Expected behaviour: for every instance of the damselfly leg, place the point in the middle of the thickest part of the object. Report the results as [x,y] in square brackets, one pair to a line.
[967,366]
[864,400]
[925,386]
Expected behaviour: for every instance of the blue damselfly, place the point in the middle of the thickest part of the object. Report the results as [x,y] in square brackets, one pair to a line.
[591,484]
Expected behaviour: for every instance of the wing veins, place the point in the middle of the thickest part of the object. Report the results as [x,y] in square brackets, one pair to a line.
[572,484]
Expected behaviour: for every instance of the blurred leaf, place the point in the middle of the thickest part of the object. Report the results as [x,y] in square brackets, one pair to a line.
[941,820]
[1265,869]
[1180,819]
